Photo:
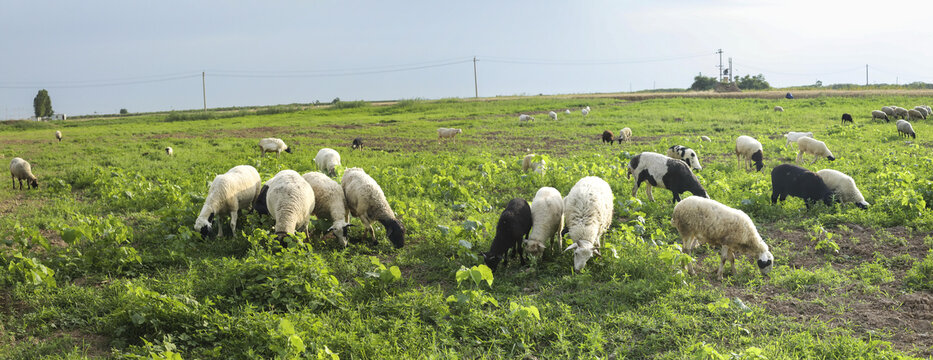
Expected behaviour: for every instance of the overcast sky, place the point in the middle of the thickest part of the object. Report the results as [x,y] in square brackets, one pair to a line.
[101,56]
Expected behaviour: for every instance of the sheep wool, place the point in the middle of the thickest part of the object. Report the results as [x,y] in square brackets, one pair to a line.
[528,163]
[706,138]
[808,145]
[900,112]
[169,151]
[567,111]
[587,215]
[843,186]
[887,110]
[607,137]
[705,221]
[878,114]
[289,199]
[58,135]
[553,115]
[913,114]
[625,134]
[547,219]
[327,160]
[905,129]
[447,133]
[793,136]
[273,145]
[366,201]
[664,172]
[329,202]
[778,109]
[524,118]
[686,154]
[229,192]
[750,149]
[20,169]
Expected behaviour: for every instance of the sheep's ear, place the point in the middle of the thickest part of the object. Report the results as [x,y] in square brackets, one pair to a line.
[330,229]
[210,219]
[573,246]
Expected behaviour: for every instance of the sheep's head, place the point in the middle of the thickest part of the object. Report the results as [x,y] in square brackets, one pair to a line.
[582,254]
[757,158]
[492,261]
[204,226]
[395,231]
[342,231]
[33,183]
[260,204]
[862,205]
[288,149]
[765,262]
[533,247]
[692,159]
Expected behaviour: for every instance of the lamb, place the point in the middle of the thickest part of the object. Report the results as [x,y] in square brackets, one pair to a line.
[750,149]
[607,137]
[524,118]
[904,128]
[887,110]
[58,135]
[528,163]
[330,202]
[567,111]
[587,214]
[273,145]
[625,134]
[793,136]
[547,219]
[663,172]
[289,199]
[327,160]
[366,201]
[706,138]
[553,115]
[514,225]
[900,112]
[778,109]
[843,186]
[818,149]
[913,114]
[846,117]
[447,133]
[788,179]
[686,154]
[20,169]
[236,189]
[878,114]
[357,144]
[585,111]
[169,151]
[705,221]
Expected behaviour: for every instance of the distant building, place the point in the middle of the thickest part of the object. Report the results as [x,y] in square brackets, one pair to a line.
[58,117]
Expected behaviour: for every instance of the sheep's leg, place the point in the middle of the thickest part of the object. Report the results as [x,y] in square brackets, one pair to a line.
[732,259]
[799,155]
[648,190]
[20,184]
[635,187]
[14,181]
[723,254]
[233,216]
[815,158]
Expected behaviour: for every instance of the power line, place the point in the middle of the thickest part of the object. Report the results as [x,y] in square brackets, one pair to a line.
[527,61]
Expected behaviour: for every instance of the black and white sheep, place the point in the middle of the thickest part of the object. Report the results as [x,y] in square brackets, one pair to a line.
[843,186]
[587,215]
[20,169]
[327,160]
[330,203]
[513,226]
[273,145]
[878,114]
[169,151]
[229,193]
[686,154]
[750,149]
[289,199]
[366,201]
[788,179]
[663,172]
[547,221]
[607,137]
[58,135]
[905,129]
[357,144]
[846,117]
[705,221]
[808,145]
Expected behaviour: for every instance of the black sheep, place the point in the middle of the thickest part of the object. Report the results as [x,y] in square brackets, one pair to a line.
[357,144]
[787,179]
[514,225]
[847,117]
[607,137]
[666,173]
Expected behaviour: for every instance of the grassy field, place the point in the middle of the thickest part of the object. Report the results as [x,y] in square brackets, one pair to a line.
[103,260]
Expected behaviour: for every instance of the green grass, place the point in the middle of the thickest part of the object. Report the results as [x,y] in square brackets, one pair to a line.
[103,260]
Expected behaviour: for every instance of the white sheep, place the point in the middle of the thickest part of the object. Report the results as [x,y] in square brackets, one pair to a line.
[705,221]
[587,215]
[844,187]
[900,112]
[923,111]
[878,114]
[327,160]
[447,133]
[366,201]
[794,135]
[778,109]
[904,128]
[553,115]
[750,149]
[524,118]
[567,111]
[914,114]
[528,163]
[330,202]
[58,135]
[169,151]
[20,169]
[585,111]
[547,219]
[706,138]
[887,110]
[229,192]
[808,145]
[289,199]
[625,134]
[273,145]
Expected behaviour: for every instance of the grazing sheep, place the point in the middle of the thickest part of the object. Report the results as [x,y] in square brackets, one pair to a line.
[587,215]
[625,134]
[567,111]
[778,109]
[447,133]
[929,109]
[843,186]
[923,111]
[366,201]
[327,160]
[706,138]
[808,145]
[273,145]
[887,110]
[169,151]
[547,219]
[553,115]
[913,114]
[585,111]
[230,192]
[793,136]
[663,172]
[704,221]
[607,137]
[524,118]
[20,169]
[514,225]
[904,128]
[528,163]
[846,117]
[750,149]
[330,203]
[788,179]
[58,135]
[878,114]
[357,144]
[289,199]
[686,154]
[900,112]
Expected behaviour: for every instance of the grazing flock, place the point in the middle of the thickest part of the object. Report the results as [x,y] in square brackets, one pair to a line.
[290,198]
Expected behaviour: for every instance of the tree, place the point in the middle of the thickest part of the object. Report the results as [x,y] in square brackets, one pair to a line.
[123,111]
[818,83]
[756,82]
[42,104]
[701,83]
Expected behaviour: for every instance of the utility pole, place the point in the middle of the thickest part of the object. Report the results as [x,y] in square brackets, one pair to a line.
[475,84]
[720,64]
[866,74]
[730,70]
[204,90]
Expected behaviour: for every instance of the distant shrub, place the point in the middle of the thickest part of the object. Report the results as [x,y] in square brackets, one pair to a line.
[17,125]
[920,277]
[124,111]
[349,104]
[189,116]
